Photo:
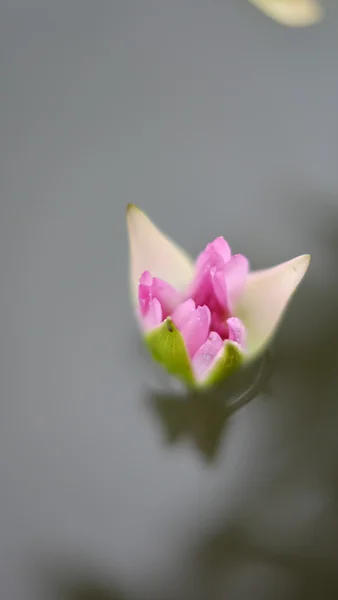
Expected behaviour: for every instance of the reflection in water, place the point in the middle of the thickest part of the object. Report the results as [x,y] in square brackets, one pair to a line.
[203,416]
[279,539]
[232,549]
[74,583]
[288,524]
[91,591]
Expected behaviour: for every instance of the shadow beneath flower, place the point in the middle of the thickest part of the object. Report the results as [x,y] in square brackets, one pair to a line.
[202,416]
[89,590]
[284,527]
[232,551]
[272,534]
[304,360]
[76,582]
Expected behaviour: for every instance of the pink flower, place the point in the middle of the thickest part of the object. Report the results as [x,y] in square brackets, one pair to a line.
[203,312]
[202,320]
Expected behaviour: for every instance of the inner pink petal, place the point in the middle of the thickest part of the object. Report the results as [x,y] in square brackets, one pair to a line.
[166,295]
[146,278]
[201,289]
[218,247]
[218,324]
[196,329]
[222,248]
[183,312]
[219,288]
[206,354]
[204,317]
[144,296]
[237,331]
[153,316]
[235,273]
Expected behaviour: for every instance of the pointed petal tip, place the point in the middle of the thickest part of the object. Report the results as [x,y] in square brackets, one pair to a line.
[132,209]
[151,250]
[298,265]
[305,258]
[301,263]
[266,297]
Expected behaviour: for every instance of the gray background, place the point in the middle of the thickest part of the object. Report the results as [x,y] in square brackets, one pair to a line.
[216,121]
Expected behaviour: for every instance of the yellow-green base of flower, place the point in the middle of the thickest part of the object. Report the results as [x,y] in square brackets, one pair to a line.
[167,347]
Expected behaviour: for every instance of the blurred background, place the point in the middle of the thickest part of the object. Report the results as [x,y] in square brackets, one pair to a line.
[215,120]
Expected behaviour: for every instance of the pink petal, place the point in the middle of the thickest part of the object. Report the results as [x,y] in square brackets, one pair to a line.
[219,288]
[153,316]
[182,313]
[150,308]
[222,248]
[196,330]
[166,295]
[206,355]
[144,295]
[235,274]
[201,288]
[218,247]
[236,331]
[218,324]
[146,278]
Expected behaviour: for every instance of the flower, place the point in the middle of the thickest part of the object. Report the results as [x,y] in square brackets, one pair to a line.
[294,13]
[201,320]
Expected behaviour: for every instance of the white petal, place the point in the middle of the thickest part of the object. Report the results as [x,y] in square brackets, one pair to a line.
[265,298]
[151,250]
[294,13]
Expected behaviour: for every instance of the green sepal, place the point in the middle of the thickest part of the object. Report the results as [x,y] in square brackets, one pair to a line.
[167,347]
[231,359]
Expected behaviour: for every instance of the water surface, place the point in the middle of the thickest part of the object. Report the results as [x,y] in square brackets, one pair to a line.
[216,121]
